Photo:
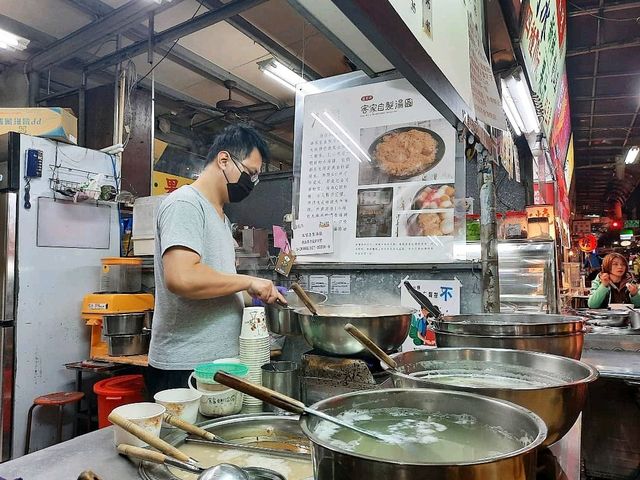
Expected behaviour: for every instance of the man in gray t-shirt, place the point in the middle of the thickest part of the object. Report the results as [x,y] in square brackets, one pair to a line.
[198,308]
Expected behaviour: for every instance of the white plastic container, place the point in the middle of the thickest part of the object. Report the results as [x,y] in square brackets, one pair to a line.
[181,402]
[144,414]
[220,402]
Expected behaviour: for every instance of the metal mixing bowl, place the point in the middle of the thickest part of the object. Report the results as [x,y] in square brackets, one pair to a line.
[387,326]
[124,345]
[566,345]
[123,323]
[510,324]
[558,404]
[332,462]
[283,319]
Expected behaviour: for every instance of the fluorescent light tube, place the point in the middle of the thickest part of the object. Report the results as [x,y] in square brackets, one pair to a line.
[280,72]
[518,104]
[279,80]
[10,41]
[632,155]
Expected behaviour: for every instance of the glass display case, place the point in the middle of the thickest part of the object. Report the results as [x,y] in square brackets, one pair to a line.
[528,274]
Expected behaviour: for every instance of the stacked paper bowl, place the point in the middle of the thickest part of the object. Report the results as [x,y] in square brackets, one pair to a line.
[255,351]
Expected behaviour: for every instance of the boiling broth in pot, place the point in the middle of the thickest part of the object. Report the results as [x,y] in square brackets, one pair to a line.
[413,435]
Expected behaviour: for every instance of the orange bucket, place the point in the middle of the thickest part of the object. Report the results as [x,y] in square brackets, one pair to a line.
[116,391]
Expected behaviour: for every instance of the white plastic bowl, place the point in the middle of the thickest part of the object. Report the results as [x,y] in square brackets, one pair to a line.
[144,414]
[181,402]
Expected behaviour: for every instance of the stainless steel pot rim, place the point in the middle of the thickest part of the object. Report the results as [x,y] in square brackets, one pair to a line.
[542,427]
[320,299]
[394,311]
[481,321]
[592,376]
[518,337]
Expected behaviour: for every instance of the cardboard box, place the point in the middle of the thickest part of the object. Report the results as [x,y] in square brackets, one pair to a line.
[54,122]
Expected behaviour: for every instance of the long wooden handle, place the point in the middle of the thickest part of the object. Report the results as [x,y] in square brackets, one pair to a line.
[190,428]
[141,453]
[145,436]
[304,297]
[380,354]
[262,393]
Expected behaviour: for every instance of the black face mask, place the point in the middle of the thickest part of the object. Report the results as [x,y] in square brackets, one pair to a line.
[241,189]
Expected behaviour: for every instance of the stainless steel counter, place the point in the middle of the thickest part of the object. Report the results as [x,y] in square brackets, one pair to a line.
[623,365]
[93,451]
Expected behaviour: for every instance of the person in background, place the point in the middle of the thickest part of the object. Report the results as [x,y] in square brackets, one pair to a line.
[614,284]
[198,302]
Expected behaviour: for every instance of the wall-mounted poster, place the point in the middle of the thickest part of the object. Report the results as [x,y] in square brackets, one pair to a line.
[380,160]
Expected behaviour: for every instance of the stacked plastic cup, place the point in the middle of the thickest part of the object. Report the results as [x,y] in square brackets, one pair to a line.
[255,350]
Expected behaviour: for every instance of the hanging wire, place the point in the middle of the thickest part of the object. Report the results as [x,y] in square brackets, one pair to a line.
[170,48]
[582,9]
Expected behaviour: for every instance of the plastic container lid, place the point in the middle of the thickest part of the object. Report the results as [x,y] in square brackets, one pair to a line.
[121,385]
[205,371]
[121,261]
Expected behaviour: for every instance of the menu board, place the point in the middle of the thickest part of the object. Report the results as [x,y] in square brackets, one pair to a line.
[380,160]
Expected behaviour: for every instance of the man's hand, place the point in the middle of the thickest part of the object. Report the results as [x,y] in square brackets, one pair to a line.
[265,290]
[633,289]
[605,279]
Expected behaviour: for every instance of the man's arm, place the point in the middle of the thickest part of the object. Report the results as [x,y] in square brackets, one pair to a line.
[186,276]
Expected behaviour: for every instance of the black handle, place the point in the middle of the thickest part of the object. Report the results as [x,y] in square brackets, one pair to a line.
[423,301]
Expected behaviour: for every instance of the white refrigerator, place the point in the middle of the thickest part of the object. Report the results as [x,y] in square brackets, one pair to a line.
[49,259]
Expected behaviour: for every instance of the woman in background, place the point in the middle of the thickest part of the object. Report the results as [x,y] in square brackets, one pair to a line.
[614,284]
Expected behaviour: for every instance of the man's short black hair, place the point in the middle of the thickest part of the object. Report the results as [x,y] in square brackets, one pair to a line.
[239,140]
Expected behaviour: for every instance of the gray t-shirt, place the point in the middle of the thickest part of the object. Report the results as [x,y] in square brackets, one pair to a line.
[188,332]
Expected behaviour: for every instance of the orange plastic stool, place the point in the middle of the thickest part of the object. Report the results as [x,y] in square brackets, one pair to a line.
[58,399]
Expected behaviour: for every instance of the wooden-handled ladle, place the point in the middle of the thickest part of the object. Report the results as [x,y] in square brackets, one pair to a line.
[289,404]
[145,436]
[366,342]
[206,437]
[222,471]
[304,298]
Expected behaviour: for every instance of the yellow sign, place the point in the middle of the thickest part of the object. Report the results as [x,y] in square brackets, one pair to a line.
[167,183]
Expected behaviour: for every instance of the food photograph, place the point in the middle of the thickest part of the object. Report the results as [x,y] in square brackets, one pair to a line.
[375,213]
[402,153]
[425,224]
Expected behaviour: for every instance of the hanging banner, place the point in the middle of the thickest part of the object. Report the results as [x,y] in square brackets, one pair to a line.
[543,47]
[561,132]
[486,100]
[380,160]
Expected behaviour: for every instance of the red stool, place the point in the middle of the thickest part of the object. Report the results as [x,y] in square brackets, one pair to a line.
[58,399]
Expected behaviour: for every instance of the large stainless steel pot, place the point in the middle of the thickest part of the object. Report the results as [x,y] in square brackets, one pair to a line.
[123,323]
[387,326]
[333,462]
[283,319]
[510,324]
[558,403]
[567,345]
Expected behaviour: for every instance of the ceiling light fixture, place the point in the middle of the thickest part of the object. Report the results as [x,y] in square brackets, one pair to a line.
[632,155]
[10,41]
[281,73]
[517,103]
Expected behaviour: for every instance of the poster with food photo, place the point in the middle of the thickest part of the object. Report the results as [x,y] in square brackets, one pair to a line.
[405,153]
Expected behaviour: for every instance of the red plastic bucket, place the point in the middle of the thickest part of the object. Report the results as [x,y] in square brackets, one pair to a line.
[116,391]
